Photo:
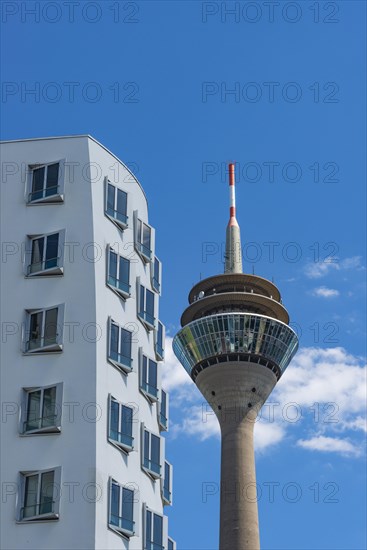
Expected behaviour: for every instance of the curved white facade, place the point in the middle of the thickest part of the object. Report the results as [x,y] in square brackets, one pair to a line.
[75,362]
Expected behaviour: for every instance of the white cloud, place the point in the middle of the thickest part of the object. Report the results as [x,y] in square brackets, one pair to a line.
[327,386]
[316,270]
[329,445]
[324,292]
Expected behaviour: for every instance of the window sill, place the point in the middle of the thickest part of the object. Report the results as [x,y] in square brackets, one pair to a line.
[153,475]
[54,348]
[150,397]
[52,199]
[122,368]
[51,272]
[149,326]
[121,446]
[125,534]
[119,224]
[120,293]
[40,519]
[52,430]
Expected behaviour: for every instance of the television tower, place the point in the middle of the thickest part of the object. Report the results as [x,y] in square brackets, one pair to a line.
[235,343]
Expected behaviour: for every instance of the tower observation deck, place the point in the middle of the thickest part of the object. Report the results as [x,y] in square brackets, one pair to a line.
[236,343]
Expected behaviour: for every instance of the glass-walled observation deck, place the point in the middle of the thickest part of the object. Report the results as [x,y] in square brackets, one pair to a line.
[235,336]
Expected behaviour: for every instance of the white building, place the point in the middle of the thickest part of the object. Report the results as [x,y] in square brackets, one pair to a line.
[83,459]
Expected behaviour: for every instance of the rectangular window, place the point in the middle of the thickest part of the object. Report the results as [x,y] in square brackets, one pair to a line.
[118,273]
[121,425]
[120,346]
[146,306]
[156,275]
[41,409]
[40,499]
[171,544]
[143,240]
[167,483]
[151,455]
[149,377]
[116,205]
[45,183]
[153,531]
[121,517]
[159,341]
[44,330]
[163,410]
[45,254]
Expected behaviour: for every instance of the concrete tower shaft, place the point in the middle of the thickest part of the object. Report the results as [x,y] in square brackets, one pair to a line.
[235,343]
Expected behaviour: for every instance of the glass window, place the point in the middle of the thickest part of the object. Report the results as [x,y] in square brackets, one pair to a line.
[40,493]
[121,508]
[163,412]
[118,275]
[44,182]
[167,483]
[44,253]
[152,453]
[153,531]
[149,377]
[45,330]
[41,409]
[146,307]
[120,346]
[116,205]
[143,239]
[159,349]
[121,424]
[156,279]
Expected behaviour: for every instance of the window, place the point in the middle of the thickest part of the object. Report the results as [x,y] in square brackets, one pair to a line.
[41,409]
[116,205]
[167,483]
[171,544]
[122,425]
[163,410]
[156,275]
[40,495]
[118,273]
[159,341]
[152,453]
[149,377]
[146,306]
[122,504]
[143,239]
[155,530]
[46,183]
[44,254]
[44,330]
[119,353]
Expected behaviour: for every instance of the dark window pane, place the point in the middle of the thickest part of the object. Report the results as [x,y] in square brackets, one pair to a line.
[146,237]
[142,300]
[50,326]
[47,489]
[158,530]
[121,202]
[125,344]
[163,403]
[114,339]
[124,270]
[33,410]
[150,305]
[152,380]
[146,445]
[126,420]
[49,407]
[52,179]
[115,504]
[110,198]
[35,329]
[114,420]
[30,499]
[52,251]
[38,178]
[127,504]
[155,452]
[148,528]
[37,254]
[113,266]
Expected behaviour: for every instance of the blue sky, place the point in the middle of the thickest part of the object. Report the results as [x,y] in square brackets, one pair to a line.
[176,90]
